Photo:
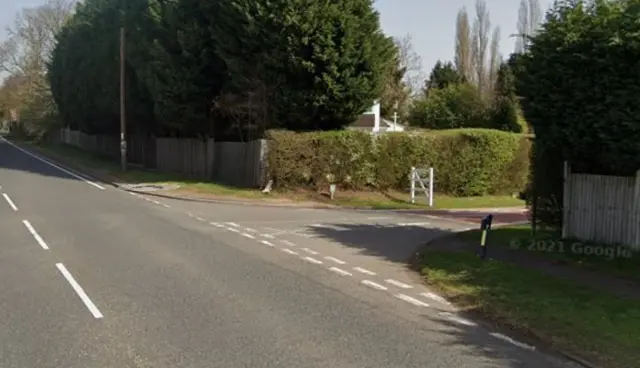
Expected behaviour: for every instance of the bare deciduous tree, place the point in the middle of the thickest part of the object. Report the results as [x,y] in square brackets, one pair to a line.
[24,54]
[529,18]
[495,58]
[462,59]
[535,16]
[481,28]
[31,39]
[411,61]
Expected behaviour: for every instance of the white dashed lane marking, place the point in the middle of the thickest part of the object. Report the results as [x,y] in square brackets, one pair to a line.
[364,271]
[374,285]
[310,251]
[457,319]
[506,338]
[11,204]
[340,271]
[335,260]
[435,297]
[35,235]
[398,284]
[267,243]
[78,289]
[312,260]
[287,250]
[411,300]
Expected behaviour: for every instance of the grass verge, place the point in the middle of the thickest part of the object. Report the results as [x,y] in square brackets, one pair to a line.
[573,318]
[102,167]
[569,252]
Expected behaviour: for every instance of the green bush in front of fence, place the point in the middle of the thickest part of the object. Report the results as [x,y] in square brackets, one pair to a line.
[467,162]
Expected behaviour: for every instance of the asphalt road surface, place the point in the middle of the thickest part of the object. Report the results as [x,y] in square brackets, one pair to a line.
[93,276]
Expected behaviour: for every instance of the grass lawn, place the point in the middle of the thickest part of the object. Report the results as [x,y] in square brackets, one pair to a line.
[504,237]
[376,200]
[588,323]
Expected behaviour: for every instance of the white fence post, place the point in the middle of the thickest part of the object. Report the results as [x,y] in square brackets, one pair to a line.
[418,175]
[412,178]
[431,187]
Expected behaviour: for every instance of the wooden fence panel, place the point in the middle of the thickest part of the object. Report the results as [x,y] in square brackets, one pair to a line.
[186,156]
[240,163]
[603,209]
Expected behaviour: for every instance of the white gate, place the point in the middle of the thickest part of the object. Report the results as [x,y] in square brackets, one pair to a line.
[424,177]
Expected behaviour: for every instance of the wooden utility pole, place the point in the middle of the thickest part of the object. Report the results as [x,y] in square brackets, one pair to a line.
[123,125]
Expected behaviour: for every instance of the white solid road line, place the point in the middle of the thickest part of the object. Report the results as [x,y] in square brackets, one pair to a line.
[53,165]
[78,289]
[13,205]
[33,232]
[411,300]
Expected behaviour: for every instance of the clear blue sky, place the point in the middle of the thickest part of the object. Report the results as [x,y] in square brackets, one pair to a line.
[430,22]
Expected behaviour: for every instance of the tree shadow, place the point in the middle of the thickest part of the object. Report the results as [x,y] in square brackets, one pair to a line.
[479,339]
[15,158]
[393,242]
[402,244]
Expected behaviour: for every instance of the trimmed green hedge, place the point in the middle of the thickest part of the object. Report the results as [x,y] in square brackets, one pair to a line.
[467,162]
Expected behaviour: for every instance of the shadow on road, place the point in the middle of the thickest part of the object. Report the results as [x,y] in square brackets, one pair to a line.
[13,159]
[399,244]
[492,346]
[396,243]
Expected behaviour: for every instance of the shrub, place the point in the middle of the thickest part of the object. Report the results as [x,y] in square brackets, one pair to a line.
[455,106]
[467,162]
[505,116]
